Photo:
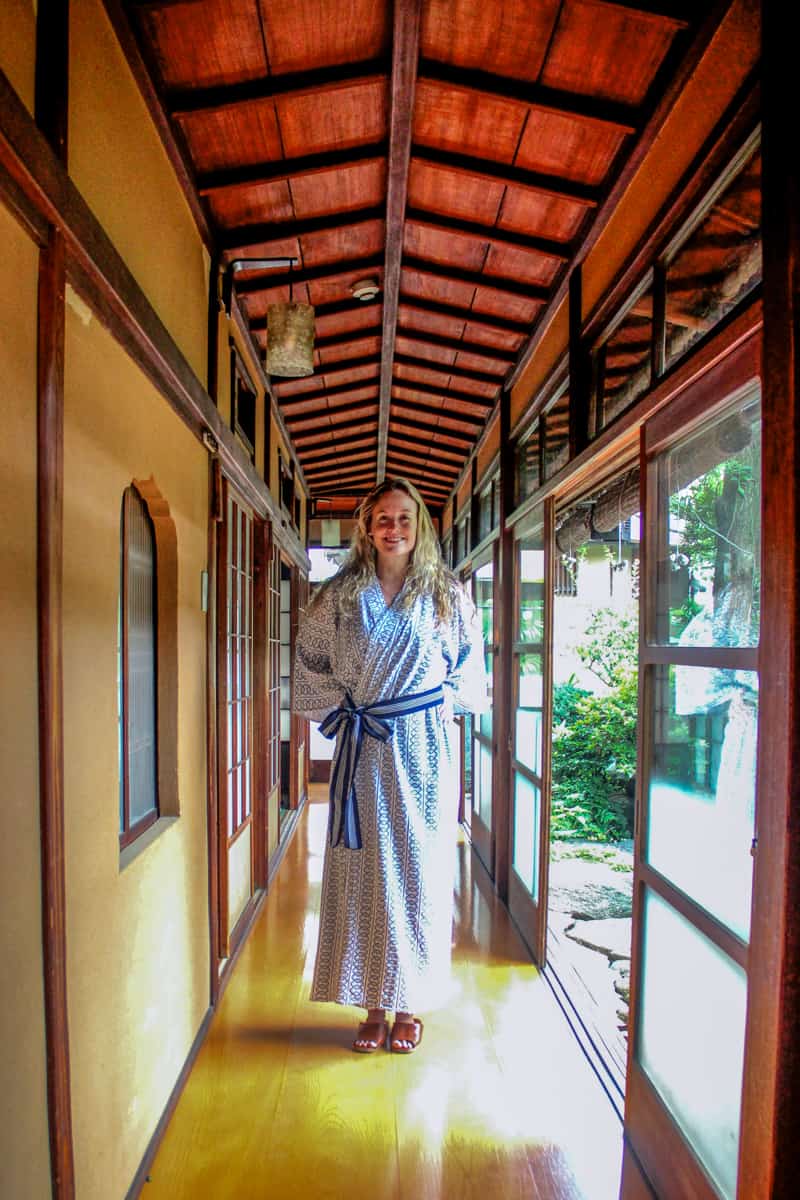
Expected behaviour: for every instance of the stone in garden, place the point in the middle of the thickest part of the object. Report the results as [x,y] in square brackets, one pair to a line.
[611,936]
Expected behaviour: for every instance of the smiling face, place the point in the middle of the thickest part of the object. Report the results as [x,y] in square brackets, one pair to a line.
[393,527]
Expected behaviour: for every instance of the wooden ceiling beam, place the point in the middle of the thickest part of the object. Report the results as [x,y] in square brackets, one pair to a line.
[408,360]
[267,282]
[496,172]
[302,167]
[405,56]
[400,423]
[322,394]
[487,320]
[437,223]
[358,443]
[243,236]
[483,404]
[496,283]
[341,461]
[535,95]
[304,436]
[184,102]
[448,454]
[416,335]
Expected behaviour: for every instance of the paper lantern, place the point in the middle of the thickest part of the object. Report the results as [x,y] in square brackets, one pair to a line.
[290,339]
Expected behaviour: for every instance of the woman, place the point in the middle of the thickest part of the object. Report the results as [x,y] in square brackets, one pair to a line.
[389,649]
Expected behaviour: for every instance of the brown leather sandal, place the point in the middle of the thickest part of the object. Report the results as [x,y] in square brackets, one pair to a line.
[374,1033]
[406,1031]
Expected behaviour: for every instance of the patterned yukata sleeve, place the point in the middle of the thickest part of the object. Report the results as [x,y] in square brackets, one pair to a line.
[316,692]
[466,677]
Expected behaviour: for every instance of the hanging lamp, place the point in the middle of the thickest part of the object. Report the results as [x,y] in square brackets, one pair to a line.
[290,337]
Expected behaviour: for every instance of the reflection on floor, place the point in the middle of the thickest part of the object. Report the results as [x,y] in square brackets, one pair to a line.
[498,1102]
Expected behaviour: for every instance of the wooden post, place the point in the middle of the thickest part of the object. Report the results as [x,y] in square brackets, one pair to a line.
[504,684]
[52,42]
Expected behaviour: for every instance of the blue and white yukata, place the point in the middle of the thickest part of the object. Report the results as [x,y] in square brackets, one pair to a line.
[386,907]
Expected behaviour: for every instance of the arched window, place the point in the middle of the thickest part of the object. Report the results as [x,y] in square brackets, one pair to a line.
[138,669]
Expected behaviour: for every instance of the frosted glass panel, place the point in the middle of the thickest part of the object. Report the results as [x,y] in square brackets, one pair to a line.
[528,728]
[691,1036]
[702,787]
[527,810]
[485,759]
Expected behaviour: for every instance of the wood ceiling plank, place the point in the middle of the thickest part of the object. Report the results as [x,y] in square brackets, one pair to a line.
[353,116]
[340,191]
[302,167]
[276,282]
[514,41]
[607,52]
[487,352]
[338,392]
[341,461]
[478,334]
[248,206]
[323,452]
[551,216]
[478,407]
[490,301]
[224,139]
[333,355]
[447,437]
[427,368]
[487,234]
[448,293]
[490,171]
[360,419]
[528,268]
[484,88]
[431,447]
[434,189]
[445,247]
[405,54]
[231,49]
[264,233]
[342,242]
[424,308]
[555,144]
[474,279]
[479,125]
[303,37]
[322,83]
[353,317]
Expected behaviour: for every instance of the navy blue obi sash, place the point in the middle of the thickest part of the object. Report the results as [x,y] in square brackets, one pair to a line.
[354,721]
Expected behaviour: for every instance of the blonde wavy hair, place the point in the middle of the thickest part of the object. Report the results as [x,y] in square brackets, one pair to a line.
[427,574]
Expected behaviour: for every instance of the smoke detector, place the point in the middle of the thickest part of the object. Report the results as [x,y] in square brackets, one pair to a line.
[365,289]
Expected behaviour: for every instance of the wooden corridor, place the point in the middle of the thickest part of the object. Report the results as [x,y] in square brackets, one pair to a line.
[497,1103]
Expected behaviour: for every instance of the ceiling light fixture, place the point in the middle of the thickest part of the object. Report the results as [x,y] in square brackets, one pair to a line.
[365,289]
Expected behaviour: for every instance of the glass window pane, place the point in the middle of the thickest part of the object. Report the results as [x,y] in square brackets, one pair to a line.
[526,470]
[556,436]
[530,560]
[702,786]
[527,816]
[691,1036]
[528,725]
[485,718]
[468,720]
[622,363]
[718,264]
[710,535]
[485,759]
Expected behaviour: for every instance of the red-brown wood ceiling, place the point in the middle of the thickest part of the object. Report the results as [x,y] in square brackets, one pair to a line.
[453,150]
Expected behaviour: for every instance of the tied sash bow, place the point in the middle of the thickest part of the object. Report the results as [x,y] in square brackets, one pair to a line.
[349,724]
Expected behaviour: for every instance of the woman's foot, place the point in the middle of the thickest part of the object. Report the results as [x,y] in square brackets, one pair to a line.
[406,1033]
[372,1033]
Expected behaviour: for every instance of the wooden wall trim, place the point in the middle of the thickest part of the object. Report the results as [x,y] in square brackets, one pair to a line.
[50,528]
[99,274]
[51,100]
[214,518]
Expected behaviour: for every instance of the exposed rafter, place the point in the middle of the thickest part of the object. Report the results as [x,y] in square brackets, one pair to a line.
[423,339]
[405,56]
[183,102]
[244,236]
[256,174]
[496,172]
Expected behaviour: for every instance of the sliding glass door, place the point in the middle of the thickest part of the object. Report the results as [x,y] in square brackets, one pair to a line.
[529,753]
[698,727]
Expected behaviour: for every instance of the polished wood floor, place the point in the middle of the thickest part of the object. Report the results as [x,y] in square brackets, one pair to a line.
[498,1101]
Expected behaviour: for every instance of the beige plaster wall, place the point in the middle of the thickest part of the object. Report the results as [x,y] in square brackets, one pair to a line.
[118,163]
[24,1150]
[18,47]
[240,873]
[137,938]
